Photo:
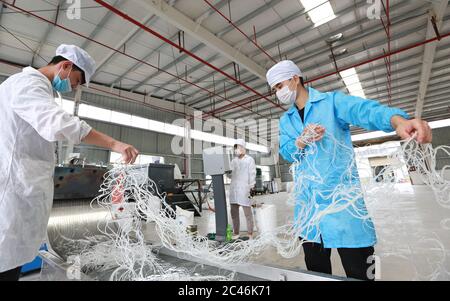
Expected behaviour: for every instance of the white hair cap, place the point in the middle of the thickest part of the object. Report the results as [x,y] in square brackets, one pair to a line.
[80,58]
[240,142]
[282,71]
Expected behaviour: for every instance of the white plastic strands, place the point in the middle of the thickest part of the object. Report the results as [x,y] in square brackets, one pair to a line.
[133,199]
[424,159]
[445,224]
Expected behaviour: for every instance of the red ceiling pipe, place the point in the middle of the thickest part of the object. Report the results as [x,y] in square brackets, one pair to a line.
[235,26]
[387,29]
[191,117]
[389,54]
[409,47]
[121,52]
[111,93]
[389,50]
[149,30]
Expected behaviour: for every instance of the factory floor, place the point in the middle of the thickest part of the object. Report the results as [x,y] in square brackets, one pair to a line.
[412,228]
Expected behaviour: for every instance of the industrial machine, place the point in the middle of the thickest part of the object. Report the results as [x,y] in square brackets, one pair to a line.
[260,187]
[217,162]
[179,192]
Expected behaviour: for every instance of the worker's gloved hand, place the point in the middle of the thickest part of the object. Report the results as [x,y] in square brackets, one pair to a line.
[128,152]
[312,133]
[419,129]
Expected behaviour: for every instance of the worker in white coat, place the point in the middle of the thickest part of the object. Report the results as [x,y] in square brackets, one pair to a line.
[31,122]
[243,179]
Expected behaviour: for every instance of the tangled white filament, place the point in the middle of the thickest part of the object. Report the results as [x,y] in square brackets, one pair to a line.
[134,198]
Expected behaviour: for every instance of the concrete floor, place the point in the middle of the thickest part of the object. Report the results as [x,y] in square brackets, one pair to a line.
[412,244]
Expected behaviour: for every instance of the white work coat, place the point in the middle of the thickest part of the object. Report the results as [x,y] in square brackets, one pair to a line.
[31,121]
[243,178]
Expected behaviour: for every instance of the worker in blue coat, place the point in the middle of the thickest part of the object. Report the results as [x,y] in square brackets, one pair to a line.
[315,133]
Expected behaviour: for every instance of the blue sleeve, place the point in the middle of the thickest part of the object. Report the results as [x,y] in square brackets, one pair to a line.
[368,114]
[288,150]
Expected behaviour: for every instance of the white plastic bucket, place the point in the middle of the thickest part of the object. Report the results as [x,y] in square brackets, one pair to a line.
[266,218]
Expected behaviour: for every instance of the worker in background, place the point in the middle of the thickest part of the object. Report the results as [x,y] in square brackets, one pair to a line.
[318,113]
[243,180]
[31,122]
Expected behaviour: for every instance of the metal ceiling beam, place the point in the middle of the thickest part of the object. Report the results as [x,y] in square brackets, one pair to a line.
[44,38]
[199,20]
[133,33]
[263,85]
[23,11]
[270,29]
[320,40]
[1,11]
[379,96]
[99,27]
[189,26]
[438,11]
[360,50]
[235,78]
[368,70]
[215,56]
[325,52]
[148,20]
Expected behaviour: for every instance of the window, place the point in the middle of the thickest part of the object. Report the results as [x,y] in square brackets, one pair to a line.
[101,114]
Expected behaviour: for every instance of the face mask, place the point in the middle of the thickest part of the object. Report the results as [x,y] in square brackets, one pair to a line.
[62,85]
[239,151]
[286,96]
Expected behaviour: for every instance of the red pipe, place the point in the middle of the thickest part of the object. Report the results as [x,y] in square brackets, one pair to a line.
[389,54]
[418,44]
[388,59]
[124,97]
[235,26]
[149,30]
[121,52]
[238,103]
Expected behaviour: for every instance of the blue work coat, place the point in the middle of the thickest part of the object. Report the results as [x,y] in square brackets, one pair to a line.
[331,164]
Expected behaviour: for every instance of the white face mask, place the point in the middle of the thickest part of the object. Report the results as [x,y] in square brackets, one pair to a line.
[286,96]
[238,151]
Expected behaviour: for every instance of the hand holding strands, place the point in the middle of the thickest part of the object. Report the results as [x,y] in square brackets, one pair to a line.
[415,128]
[312,133]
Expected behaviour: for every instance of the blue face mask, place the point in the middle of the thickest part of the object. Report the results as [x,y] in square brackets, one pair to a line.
[62,85]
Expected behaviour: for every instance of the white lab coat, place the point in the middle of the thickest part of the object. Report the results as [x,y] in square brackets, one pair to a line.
[31,121]
[243,178]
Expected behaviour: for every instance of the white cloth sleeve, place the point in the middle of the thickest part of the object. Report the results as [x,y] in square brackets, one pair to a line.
[33,103]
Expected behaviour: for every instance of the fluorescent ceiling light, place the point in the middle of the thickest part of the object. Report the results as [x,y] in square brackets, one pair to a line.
[320,11]
[440,124]
[351,81]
